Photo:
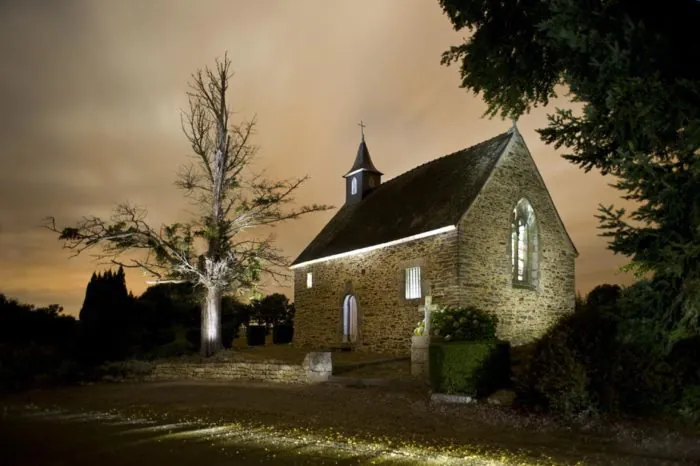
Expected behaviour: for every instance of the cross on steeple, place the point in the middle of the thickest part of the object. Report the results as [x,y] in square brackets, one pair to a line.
[362,129]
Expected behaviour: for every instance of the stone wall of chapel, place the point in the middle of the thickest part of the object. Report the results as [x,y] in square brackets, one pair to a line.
[485,278]
[385,318]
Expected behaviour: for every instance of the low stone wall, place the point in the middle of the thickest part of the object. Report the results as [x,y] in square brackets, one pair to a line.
[317,367]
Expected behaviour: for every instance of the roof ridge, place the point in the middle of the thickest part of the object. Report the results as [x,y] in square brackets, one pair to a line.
[444,157]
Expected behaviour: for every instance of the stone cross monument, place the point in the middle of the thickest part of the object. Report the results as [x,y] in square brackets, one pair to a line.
[427,309]
[420,345]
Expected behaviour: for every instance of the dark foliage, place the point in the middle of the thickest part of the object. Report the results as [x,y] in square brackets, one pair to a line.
[685,359]
[643,318]
[170,315]
[567,362]
[43,346]
[603,298]
[193,336]
[255,335]
[37,345]
[464,324]
[689,405]
[272,310]
[121,370]
[585,364]
[172,304]
[234,314]
[282,334]
[630,65]
[643,383]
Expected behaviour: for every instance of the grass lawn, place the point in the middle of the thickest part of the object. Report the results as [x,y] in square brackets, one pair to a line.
[254,423]
[54,437]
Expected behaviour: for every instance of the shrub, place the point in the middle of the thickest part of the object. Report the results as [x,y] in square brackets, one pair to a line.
[173,349]
[255,335]
[582,366]
[556,378]
[125,369]
[603,297]
[464,324]
[474,368]
[271,310]
[23,365]
[685,359]
[229,331]
[641,382]
[68,371]
[282,334]
[568,371]
[642,314]
[520,357]
[689,405]
[194,336]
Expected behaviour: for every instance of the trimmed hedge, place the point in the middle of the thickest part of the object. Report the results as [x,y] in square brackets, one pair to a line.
[473,368]
[255,335]
[282,334]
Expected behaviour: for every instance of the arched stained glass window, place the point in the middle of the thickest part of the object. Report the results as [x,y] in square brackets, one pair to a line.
[524,244]
[353,185]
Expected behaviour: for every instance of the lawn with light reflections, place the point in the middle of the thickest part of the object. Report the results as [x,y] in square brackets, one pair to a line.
[118,438]
[260,423]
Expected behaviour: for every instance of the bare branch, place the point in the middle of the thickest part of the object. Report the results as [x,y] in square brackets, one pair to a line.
[232,200]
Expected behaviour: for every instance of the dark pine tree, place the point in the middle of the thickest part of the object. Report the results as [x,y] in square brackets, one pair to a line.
[107,318]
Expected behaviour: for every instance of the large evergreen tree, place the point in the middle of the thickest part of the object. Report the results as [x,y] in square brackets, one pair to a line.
[633,66]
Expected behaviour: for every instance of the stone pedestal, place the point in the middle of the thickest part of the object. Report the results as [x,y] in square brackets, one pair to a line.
[420,346]
[318,366]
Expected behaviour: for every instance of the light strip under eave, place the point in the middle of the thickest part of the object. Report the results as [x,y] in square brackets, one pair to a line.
[377,246]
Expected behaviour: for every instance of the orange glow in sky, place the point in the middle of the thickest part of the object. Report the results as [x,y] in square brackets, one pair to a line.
[91,93]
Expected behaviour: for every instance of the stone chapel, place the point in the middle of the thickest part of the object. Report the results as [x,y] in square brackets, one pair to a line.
[476,227]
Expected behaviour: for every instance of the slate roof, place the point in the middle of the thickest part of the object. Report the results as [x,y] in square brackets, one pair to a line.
[363,160]
[430,196]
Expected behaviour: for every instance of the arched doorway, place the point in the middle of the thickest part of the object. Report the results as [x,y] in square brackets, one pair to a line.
[349,319]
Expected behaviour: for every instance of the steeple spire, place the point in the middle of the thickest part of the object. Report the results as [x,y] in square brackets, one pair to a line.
[363,162]
[363,177]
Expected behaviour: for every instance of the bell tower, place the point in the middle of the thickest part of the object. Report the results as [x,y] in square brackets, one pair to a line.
[363,177]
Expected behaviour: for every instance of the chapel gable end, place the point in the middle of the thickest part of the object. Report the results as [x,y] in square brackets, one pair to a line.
[515,254]
[517,186]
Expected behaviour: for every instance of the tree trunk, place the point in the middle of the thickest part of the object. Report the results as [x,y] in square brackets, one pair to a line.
[211,323]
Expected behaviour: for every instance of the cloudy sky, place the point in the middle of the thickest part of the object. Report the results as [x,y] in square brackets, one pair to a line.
[90,99]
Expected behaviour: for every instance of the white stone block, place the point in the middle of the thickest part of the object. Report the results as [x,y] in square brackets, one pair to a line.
[455,399]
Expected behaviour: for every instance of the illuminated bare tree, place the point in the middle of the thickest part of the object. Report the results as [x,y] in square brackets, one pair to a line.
[215,251]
